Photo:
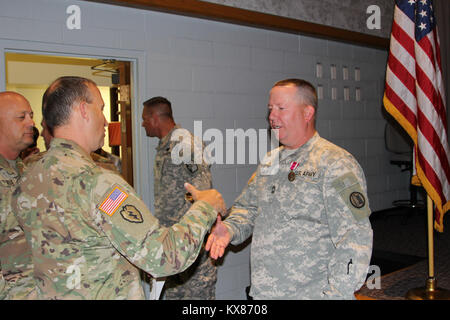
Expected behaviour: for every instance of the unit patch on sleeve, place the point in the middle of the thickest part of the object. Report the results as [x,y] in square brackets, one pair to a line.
[357,199]
[350,191]
[192,168]
[113,201]
[131,214]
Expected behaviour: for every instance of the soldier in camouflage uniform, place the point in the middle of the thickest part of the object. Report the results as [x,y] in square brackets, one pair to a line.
[88,230]
[46,135]
[16,133]
[198,281]
[306,206]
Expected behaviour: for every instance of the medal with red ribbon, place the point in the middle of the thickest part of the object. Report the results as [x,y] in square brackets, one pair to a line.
[291,175]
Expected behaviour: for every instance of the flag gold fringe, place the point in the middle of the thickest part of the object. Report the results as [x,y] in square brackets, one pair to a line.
[421,178]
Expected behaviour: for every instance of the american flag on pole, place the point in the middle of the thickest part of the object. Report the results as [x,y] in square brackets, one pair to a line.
[414,96]
[114,199]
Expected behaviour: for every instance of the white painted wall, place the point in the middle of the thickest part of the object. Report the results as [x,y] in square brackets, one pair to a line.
[221,74]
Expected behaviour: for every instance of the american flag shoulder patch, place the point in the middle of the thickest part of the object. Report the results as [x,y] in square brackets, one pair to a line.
[113,201]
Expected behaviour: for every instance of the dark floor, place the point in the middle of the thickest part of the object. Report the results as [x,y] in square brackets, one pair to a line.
[400,250]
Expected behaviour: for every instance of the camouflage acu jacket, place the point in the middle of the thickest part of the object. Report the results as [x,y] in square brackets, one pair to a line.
[312,238]
[89,230]
[98,159]
[15,255]
[169,177]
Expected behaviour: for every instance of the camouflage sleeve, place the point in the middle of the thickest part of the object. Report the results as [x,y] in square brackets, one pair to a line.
[241,219]
[199,175]
[3,235]
[135,232]
[347,210]
[2,284]
[196,173]
[170,200]
[200,178]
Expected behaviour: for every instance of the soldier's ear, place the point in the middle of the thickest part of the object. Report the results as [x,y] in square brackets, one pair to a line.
[309,112]
[83,109]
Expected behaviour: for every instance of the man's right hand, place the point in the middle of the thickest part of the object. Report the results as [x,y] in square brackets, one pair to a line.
[211,196]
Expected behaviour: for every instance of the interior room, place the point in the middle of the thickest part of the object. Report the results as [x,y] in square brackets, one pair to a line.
[31,74]
[216,61]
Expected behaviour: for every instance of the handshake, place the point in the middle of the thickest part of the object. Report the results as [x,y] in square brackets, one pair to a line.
[220,237]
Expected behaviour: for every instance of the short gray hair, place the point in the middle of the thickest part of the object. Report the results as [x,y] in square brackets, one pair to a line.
[60,96]
[306,90]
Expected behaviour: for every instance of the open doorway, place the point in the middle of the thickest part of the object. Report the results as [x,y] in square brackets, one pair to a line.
[30,75]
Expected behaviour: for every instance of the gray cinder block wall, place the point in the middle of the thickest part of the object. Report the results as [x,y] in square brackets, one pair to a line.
[221,74]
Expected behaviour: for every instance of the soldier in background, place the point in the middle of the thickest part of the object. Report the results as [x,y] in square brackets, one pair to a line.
[107,160]
[306,207]
[16,134]
[87,228]
[198,281]
[32,148]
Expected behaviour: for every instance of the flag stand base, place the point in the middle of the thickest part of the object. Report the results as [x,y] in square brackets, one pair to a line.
[430,292]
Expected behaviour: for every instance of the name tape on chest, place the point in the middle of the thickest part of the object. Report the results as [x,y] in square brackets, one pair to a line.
[305,173]
[113,201]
